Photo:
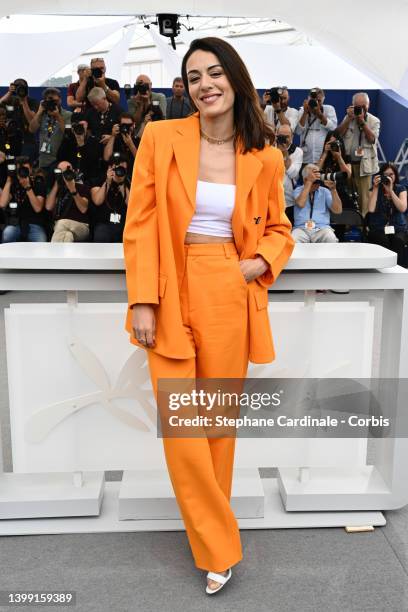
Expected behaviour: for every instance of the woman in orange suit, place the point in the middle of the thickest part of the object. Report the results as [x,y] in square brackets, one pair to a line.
[206,234]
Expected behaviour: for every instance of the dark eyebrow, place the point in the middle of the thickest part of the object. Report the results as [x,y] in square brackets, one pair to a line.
[209,68]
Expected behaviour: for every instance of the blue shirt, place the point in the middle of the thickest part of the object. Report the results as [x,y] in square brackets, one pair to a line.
[321,208]
[385,212]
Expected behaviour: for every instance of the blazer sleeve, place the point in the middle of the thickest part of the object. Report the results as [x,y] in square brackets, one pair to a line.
[140,235]
[277,243]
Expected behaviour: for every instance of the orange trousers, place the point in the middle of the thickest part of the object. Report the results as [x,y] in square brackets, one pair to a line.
[213,300]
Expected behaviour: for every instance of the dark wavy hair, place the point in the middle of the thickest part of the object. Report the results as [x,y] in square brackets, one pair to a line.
[251,128]
[392,167]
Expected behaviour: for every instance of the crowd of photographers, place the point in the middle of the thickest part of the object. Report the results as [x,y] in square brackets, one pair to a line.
[65,172]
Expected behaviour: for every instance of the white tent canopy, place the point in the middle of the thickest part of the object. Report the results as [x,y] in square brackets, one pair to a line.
[367,34]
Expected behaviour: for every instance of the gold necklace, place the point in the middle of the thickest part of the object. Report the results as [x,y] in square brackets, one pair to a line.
[217,141]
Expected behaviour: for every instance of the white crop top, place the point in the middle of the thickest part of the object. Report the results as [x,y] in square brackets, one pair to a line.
[214,207]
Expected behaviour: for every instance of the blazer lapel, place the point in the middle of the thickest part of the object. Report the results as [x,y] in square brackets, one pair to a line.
[247,167]
[186,148]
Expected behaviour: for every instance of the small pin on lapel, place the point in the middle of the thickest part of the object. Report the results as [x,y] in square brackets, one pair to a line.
[257,220]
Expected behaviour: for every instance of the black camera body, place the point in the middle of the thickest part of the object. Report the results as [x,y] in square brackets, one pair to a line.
[12,170]
[335,146]
[275,94]
[124,128]
[141,88]
[313,101]
[281,139]
[78,129]
[156,111]
[119,171]
[68,174]
[128,90]
[97,73]
[385,180]
[23,172]
[21,90]
[50,105]
[358,110]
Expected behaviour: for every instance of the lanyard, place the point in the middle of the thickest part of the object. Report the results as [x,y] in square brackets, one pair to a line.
[309,125]
[312,199]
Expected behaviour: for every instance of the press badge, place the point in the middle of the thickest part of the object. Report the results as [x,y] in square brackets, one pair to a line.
[359,152]
[115,218]
[310,224]
[389,229]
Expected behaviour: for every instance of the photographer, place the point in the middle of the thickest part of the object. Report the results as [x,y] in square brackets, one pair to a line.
[178,106]
[313,202]
[22,200]
[50,120]
[387,206]
[102,115]
[142,100]
[83,73]
[315,120]
[110,202]
[293,157]
[277,110]
[69,201]
[81,149]
[335,161]
[10,142]
[95,77]
[360,131]
[123,141]
[21,108]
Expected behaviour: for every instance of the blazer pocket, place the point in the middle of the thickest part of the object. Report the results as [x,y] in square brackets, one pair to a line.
[162,285]
[261,299]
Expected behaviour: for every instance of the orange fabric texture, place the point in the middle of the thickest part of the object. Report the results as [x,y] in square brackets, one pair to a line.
[161,206]
[214,309]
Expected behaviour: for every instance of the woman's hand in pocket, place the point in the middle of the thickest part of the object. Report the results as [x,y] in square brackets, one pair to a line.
[252,268]
[144,324]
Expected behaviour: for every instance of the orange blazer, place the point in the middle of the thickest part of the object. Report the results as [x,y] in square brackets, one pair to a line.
[161,206]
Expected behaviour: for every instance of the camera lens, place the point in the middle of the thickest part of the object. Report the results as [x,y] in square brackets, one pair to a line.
[120,171]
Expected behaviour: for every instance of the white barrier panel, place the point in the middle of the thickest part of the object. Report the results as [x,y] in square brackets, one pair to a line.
[81,399]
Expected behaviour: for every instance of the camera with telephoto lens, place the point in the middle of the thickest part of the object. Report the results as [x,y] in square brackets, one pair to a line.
[120,171]
[97,73]
[50,105]
[128,90]
[385,180]
[141,88]
[335,145]
[78,129]
[124,128]
[337,177]
[21,90]
[23,172]
[275,93]
[358,110]
[281,139]
[313,102]
[156,111]
[69,174]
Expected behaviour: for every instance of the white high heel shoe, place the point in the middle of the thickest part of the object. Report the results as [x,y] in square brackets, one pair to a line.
[218,578]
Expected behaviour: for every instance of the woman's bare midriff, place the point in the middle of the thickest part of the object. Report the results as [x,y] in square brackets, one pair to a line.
[192,238]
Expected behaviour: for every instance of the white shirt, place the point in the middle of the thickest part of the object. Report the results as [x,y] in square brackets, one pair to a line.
[214,207]
[315,133]
[291,115]
[292,175]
